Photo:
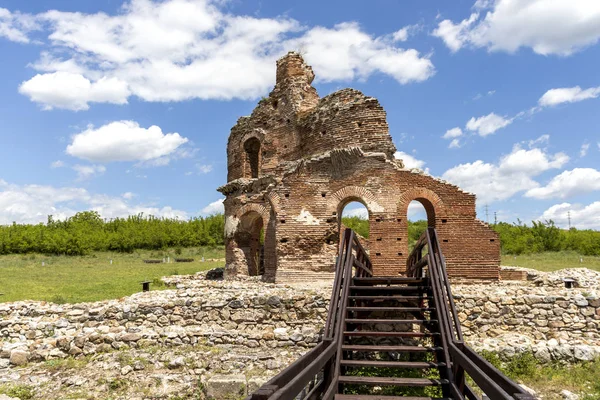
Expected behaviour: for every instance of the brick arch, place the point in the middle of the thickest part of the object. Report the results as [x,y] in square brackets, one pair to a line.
[257,133]
[274,201]
[434,206]
[259,208]
[353,193]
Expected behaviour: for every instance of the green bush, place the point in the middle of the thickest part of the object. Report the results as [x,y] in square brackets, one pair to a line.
[86,232]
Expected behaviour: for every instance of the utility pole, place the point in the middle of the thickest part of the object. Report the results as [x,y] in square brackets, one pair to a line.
[487,214]
[569,218]
[495,218]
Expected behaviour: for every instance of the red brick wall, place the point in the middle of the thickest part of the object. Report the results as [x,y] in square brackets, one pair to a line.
[319,154]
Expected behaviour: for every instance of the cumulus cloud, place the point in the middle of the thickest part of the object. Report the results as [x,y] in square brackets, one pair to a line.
[33,203]
[487,124]
[216,207]
[88,171]
[453,133]
[554,97]
[73,91]
[582,217]
[513,173]
[410,161]
[175,50]
[16,26]
[57,164]
[568,184]
[547,27]
[125,141]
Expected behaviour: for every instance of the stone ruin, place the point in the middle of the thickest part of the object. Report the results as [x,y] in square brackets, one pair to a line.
[298,160]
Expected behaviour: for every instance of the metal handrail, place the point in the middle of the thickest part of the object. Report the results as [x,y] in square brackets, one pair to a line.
[325,357]
[463,359]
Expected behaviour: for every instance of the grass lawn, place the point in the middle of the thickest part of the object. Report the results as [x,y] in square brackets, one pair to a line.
[66,279]
[552,261]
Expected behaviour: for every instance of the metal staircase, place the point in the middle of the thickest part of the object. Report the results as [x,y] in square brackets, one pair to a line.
[390,338]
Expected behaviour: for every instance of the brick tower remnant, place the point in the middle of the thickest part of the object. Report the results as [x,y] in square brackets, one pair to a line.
[298,160]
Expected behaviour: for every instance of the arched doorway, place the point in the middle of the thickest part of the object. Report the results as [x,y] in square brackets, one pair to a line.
[252,153]
[418,221]
[354,215]
[250,239]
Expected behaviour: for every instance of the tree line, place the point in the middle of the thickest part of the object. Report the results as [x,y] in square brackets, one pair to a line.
[541,236]
[86,232]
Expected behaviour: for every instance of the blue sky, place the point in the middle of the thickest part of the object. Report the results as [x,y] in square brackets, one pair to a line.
[125,107]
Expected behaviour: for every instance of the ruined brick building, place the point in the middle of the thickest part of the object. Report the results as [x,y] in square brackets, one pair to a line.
[297,161]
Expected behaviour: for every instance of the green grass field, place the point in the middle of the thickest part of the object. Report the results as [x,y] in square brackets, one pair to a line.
[66,279]
[552,261]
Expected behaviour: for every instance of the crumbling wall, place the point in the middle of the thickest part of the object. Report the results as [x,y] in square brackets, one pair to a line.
[316,156]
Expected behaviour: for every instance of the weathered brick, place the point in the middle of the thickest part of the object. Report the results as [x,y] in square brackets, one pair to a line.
[298,159]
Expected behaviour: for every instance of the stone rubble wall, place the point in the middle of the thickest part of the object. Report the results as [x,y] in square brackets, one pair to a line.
[552,322]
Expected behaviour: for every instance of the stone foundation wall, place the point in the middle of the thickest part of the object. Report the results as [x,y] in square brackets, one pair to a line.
[499,317]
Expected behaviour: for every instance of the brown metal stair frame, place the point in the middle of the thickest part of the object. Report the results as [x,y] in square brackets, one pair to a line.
[357,301]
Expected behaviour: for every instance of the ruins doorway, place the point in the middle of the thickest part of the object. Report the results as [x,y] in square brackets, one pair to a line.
[250,239]
[420,216]
[354,215]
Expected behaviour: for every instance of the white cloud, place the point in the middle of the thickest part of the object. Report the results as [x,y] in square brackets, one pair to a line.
[455,35]
[453,133]
[402,35]
[88,171]
[360,211]
[345,52]
[128,195]
[584,149]
[582,217]
[568,95]
[204,168]
[73,91]
[16,26]
[33,203]
[454,144]
[125,141]
[410,162]
[57,164]
[546,26]
[176,50]
[568,184]
[216,207]
[487,124]
[514,173]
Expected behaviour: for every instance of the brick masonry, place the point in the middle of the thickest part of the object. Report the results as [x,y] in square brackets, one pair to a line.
[298,160]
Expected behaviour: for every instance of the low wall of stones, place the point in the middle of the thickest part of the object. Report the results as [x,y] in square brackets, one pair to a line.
[550,321]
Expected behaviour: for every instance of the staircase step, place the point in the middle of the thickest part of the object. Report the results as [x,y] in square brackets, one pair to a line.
[384,381]
[388,280]
[390,334]
[387,348]
[384,289]
[391,297]
[391,364]
[406,309]
[380,397]
[389,321]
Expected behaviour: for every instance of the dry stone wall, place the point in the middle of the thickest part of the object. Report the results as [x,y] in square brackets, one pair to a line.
[504,317]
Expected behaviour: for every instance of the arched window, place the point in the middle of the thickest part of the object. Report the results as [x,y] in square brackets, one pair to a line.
[252,150]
